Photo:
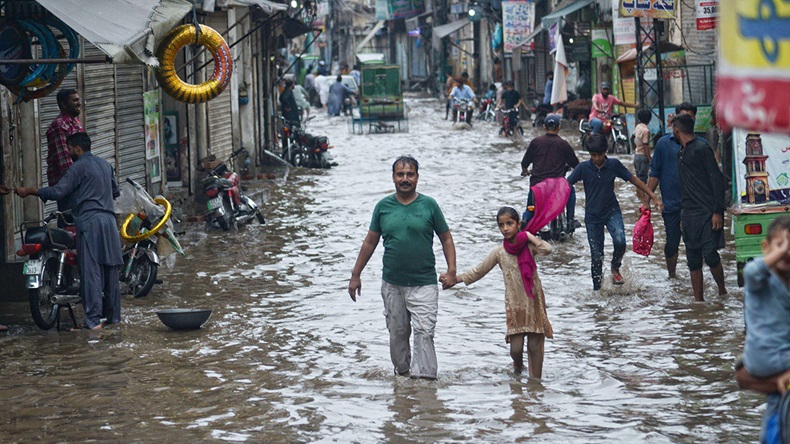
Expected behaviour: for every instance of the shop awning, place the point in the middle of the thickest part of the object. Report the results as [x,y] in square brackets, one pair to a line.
[294,28]
[125,30]
[531,37]
[370,35]
[266,6]
[563,9]
[445,30]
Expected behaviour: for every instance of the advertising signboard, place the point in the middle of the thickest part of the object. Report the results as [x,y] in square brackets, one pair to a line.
[657,9]
[753,75]
[518,21]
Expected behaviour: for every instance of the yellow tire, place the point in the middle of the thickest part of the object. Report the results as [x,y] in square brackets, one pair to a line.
[166,74]
[145,235]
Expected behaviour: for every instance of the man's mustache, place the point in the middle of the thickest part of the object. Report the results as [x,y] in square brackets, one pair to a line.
[405,182]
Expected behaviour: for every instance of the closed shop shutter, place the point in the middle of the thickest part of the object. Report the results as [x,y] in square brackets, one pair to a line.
[131,131]
[99,100]
[220,121]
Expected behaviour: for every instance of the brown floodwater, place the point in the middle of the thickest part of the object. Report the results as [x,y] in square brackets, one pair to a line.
[287,356]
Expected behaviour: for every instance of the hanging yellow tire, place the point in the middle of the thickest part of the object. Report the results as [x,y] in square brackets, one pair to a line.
[166,74]
[145,235]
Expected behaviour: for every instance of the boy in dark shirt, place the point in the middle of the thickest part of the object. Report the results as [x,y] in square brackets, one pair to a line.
[702,204]
[601,208]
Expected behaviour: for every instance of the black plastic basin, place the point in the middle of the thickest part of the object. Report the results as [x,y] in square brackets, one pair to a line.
[184,318]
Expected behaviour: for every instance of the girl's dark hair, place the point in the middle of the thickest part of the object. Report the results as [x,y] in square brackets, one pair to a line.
[644,115]
[408,160]
[596,143]
[510,211]
[781,223]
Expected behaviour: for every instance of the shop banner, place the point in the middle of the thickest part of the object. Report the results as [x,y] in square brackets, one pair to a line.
[707,14]
[398,9]
[518,21]
[553,33]
[776,149]
[152,137]
[624,29]
[658,9]
[753,73]
[600,43]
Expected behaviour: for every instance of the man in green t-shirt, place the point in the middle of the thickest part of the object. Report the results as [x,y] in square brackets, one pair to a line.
[407,221]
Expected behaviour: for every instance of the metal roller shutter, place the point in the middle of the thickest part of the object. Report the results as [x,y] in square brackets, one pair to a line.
[131,131]
[99,99]
[220,122]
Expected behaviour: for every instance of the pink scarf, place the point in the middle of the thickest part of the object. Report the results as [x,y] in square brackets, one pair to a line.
[551,196]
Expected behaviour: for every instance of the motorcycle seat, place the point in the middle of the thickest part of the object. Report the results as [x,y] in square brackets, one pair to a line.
[46,236]
[226,183]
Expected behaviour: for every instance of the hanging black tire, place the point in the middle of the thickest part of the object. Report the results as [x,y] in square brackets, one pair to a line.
[45,313]
[142,276]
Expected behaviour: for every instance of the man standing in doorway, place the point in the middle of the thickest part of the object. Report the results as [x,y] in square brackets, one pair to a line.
[91,185]
[407,221]
[66,124]
[702,203]
[547,89]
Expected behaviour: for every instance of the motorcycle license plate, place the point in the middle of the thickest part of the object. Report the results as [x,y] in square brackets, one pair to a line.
[33,267]
[215,203]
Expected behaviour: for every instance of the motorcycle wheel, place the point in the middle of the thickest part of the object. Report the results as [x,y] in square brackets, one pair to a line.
[621,147]
[44,312]
[259,216]
[226,221]
[298,157]
[142,276]
[583,139]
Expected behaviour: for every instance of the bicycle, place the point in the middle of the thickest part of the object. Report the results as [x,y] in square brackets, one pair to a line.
[510,124]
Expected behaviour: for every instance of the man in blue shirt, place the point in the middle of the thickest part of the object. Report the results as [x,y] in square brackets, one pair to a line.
[547,89]
[601,208]
[91,186]
[461,91]
[664,169]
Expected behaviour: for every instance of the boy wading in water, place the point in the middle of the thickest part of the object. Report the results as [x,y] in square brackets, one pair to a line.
[601,208]
[525,307]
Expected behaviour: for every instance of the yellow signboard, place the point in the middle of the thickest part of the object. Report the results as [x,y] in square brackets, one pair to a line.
[658,9]
[757,33]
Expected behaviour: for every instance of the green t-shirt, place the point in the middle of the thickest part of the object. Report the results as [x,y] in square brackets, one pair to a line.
[408,239]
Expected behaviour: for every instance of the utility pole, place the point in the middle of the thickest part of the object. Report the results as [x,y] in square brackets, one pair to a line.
[330,25]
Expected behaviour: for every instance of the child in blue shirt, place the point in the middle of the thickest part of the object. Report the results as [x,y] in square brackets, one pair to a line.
[601,208]
[767,312]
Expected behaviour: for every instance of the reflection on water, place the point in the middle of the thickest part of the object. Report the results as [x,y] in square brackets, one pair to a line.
[287,357]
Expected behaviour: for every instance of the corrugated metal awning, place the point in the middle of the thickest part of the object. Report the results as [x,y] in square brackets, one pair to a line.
[562,10]
[266,6]
[445,30]
[125,30]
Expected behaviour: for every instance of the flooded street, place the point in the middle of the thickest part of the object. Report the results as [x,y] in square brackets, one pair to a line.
[287,356]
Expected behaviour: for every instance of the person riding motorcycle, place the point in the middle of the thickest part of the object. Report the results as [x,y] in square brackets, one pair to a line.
[602,104]
[550,156]
[462,91]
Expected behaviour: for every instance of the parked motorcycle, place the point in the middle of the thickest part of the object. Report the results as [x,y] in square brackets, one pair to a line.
[615,132]
[487,111]
[51,275]
[227,205]
[303,148]
[538,112]
[462,111]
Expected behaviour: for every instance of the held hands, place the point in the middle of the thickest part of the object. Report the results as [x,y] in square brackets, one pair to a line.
[24,191]
[448,280]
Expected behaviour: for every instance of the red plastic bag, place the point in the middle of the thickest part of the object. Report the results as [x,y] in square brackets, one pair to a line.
[643,234]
